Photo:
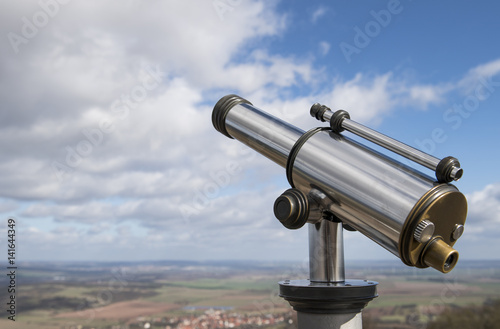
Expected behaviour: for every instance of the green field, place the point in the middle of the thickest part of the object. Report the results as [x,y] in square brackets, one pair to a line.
[101,300]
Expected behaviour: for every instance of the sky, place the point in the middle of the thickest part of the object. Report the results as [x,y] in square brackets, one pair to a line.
[108,152]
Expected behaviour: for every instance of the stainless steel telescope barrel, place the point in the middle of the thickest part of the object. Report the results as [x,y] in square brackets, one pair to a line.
[260,131]
[406,212]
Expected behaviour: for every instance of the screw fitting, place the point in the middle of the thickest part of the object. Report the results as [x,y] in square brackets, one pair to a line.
[424,231]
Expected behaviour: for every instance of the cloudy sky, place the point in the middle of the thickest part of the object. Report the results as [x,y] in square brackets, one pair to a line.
[107,146]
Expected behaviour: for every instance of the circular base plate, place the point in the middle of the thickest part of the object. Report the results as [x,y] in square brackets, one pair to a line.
[350,296]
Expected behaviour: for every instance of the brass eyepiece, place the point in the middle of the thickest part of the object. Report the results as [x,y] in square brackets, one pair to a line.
[440,255]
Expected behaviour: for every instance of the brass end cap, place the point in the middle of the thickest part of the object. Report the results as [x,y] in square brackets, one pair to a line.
[439,214]
[439,255]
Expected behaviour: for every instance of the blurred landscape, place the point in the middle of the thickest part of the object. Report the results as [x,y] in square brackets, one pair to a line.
[235,294]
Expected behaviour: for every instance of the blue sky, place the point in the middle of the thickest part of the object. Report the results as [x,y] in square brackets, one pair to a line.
[108,150]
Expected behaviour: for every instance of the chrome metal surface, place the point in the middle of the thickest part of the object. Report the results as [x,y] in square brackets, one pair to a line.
[262,132]
[450,172]
[326,252]
[329,321]
[383,199]
[327,116]
[424,231]
[458,231]
[389,143]
[368,191]
[456,173]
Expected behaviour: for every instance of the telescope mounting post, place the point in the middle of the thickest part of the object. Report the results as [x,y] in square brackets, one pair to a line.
[327,300]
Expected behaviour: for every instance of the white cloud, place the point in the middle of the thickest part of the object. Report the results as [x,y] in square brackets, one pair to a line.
[324,48]
[262,69]
[485,70]
[484,209]
[363,97]
[318,13]
[425,95]
[8,206]
[367,97]
[482,228]
[163,155]
[480,76]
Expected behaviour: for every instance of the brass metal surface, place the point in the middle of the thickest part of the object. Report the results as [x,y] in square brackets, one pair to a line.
[445,207]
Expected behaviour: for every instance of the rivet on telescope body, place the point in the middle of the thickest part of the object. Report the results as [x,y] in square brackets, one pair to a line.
[424,231]
[457,231]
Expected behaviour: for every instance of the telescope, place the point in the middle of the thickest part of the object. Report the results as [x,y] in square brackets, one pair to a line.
[338,183]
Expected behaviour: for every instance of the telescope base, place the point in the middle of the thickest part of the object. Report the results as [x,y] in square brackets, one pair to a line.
[328,305]
[330,321]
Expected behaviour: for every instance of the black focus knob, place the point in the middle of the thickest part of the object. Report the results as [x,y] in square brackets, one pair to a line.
[292,209]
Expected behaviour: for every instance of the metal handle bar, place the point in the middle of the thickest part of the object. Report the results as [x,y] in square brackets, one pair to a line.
[447,169]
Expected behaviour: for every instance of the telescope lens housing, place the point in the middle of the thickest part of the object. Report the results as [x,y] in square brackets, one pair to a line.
[406,212]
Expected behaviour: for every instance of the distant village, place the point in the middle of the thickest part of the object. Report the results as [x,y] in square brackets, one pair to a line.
[210,319]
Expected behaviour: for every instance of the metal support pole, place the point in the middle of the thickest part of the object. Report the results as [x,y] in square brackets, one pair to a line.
[344,321]
[327,300]
[326,252]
